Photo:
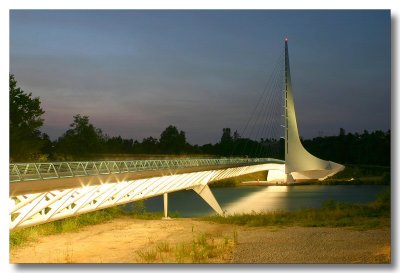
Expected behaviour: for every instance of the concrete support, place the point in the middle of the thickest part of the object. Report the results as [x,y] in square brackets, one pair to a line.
[289,178]
[166,207]
[205,193]
[276,175]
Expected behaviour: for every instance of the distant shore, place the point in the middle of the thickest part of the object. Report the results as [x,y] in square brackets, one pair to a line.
[351,175]
[275,183]
[359,181]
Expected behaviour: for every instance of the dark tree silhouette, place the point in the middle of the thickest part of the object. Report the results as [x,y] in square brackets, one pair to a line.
[226,143]
[172,141]
[149,146]
[82,139]
[25,121]
[365,149]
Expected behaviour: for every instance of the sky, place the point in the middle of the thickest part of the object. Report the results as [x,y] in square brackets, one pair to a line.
[134,72]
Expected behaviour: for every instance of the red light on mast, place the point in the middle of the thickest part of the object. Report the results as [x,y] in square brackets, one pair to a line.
[286,39]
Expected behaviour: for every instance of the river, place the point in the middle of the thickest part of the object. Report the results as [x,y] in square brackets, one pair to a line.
[268,198]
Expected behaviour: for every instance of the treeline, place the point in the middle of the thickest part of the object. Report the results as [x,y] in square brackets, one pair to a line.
[83,141]
[353,148]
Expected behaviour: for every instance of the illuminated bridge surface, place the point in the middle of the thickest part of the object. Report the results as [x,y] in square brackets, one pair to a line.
[43,171]
[44,192]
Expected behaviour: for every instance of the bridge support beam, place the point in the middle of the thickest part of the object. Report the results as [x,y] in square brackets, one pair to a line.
[166,207]
[205,193]
[289,178]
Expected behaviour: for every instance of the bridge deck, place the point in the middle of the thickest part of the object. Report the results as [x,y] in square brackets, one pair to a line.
[39,177]
[44,192]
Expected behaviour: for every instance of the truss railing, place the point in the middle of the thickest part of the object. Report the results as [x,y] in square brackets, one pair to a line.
[40,207]
[53,170]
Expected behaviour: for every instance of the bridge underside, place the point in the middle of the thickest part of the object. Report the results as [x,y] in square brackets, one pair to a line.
[41,205]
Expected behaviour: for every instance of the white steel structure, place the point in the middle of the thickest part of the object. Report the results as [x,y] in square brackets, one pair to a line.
[20,172]
[299,163]
[41,205]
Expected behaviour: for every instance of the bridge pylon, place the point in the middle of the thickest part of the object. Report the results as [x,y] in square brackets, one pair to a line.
[299,163]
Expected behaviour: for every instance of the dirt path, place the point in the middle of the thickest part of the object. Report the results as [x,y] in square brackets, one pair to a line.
[121,240]
[312,245]
[118,241]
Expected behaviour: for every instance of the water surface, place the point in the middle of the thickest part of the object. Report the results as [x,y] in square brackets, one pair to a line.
[269,198]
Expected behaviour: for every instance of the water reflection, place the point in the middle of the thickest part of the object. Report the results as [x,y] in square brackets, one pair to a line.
[269,198]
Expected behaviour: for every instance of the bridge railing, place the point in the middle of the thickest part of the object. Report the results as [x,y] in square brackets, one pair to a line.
[43,171]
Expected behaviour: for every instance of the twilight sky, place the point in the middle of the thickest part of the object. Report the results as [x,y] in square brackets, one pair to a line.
[136,72]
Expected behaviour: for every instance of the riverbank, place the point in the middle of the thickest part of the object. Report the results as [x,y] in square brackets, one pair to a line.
[336,233]
[274,183]
[127,240]
[376,214]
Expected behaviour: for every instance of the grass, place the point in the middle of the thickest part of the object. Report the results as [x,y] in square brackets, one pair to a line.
[235,237]
[148,256]
[332,214]
[163,247]
[22,236]
[136,210]
[203,248]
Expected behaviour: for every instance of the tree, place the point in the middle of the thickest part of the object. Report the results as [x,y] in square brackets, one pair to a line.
[82,139]
[236,136]
[47,149]
[114,144]
[149,145]
[172,141]
[226,144]
[25,121]
[367,149]
[226,137]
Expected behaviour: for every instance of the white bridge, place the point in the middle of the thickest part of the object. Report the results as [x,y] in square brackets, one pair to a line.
[44,192]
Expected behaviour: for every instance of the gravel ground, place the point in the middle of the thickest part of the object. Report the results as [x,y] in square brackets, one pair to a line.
[312,245]
[119,241]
